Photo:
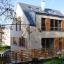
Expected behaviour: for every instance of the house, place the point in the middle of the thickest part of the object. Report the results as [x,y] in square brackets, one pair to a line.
[6,37]
[1,32]
[37,29]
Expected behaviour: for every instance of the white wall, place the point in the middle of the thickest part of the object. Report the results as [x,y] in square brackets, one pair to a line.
[23,32]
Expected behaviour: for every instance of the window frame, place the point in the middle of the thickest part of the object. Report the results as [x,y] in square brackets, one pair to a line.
[55,26]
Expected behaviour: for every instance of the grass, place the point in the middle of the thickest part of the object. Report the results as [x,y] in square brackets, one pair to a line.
[53,61]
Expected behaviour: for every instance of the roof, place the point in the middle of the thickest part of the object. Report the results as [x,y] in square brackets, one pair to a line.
[30,11]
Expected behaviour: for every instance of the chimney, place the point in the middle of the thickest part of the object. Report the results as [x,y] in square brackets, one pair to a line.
[42,5]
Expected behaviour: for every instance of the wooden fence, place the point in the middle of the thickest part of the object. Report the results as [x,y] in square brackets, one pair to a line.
[28,55]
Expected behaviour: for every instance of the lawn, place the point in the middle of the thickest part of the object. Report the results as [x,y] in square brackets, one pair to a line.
[54,61]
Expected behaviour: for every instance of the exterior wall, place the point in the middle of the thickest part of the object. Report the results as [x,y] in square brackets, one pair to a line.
[62,43]
[56,43]
[23,32]
[62,25]
[47,24]
[38,20]
[34,35]
[35,39]
[50,34]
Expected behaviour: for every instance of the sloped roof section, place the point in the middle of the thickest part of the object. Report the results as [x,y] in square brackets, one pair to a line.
[29,9]
[30,17]
[53,12]
[38,9]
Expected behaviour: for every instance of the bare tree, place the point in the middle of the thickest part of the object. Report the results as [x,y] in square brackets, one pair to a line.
[6,10]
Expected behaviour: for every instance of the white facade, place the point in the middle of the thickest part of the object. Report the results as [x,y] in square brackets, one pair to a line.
[26,31]
[31,34]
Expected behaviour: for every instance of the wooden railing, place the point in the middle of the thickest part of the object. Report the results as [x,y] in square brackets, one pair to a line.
[33,53]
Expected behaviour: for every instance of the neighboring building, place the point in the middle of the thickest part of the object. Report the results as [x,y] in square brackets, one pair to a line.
[37,29]
[6,37]
[1,32]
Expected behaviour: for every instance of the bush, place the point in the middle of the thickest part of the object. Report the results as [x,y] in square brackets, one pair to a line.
[3,48]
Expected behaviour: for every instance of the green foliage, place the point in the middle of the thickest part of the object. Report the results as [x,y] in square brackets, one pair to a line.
[1,43]
[53,61]
[3,48]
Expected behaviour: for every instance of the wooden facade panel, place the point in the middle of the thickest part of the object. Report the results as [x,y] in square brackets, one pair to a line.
[56,43]
[62,43]
[62,25]
[47,24]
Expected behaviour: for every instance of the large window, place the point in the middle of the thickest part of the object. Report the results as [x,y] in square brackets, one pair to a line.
[59,25]
[14,41]
[43,24]
[55,25]
[18,26]
[50,43]
[47,43]
[22,41]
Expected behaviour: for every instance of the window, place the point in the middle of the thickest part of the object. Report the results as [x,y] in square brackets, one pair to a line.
[19,26]
[52,24]
[14,41]
[22,41]
[47,43]
[43,24]
[55,25]
[11,28]
[16,26]
[59,25]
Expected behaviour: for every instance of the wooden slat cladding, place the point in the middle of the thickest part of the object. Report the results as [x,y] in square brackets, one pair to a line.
[56,43]
[47,24]
[62,25]
[62,43]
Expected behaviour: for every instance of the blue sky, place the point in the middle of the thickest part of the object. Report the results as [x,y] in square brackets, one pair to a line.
[53,4]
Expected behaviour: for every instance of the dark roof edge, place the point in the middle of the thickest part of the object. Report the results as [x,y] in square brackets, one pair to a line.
[49,14]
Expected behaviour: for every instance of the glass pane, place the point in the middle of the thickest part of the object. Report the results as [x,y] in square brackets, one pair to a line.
[43,24]
[59,25]
[56,28]
[47,42]
[52,23]
[56,23]
[43,28]
[43,42]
